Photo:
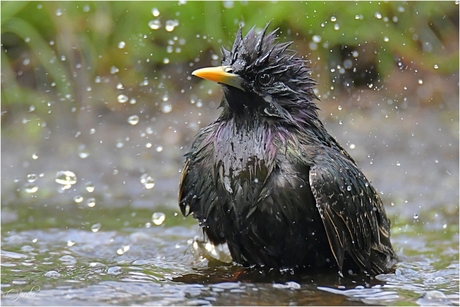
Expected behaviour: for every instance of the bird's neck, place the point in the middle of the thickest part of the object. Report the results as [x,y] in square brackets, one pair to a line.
[246,123]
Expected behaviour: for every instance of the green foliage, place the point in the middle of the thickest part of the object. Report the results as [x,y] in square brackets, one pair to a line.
[53,51]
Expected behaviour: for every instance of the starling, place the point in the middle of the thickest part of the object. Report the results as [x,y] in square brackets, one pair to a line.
[269,180]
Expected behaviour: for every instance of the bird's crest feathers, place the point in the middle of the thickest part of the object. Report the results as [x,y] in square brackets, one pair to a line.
[254,49]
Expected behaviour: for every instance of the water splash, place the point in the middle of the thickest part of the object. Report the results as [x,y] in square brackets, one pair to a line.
[96,227]
[133,120]
[158,218]
[122,98]
[147,181]
[155,12]
[91,202]
[154,24]
[171,25]
[66,178]
[123,250]
[89,187]
[32,177]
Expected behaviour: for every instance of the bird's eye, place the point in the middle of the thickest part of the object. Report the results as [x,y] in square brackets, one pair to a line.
[264,79]
[228,69]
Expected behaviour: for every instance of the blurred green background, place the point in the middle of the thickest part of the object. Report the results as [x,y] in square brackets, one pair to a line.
[58,51]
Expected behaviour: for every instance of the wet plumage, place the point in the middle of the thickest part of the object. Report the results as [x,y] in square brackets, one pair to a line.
[267,178]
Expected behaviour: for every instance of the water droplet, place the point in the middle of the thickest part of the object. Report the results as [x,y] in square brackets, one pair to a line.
[159,149]
[70,243]
[444,226]
[97,79]
[316,38]
[358,17]
[68,259]
[155,12]
[436,66]
[228,4]
[32,177]
[133,120]
[147,181]
[398,163]
[114,70]
[91,202]
[352,146]
[149,130]
[347,64]
[349,188]
[96,227]
[121,45]
[171,24]
[34,156]
[154,24]
[30,188]
[158,218]
[58,12]
[83,152]
[336,26]
[122,98]
[386,39]
[114,270]
[166,108]
[415,216]
[66,178]
[52,274]
[378,15]
[86,8]
[89,187]
[123,250]
[401,9]
[420,81]
[165,61]
[78,199]
[333,18]
[132,101]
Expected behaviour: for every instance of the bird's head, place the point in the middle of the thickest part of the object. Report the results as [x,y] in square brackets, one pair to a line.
[263,75]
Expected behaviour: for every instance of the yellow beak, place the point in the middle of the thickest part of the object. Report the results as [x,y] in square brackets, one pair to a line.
[220,74]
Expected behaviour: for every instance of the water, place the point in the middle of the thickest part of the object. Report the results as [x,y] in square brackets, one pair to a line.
[129,263]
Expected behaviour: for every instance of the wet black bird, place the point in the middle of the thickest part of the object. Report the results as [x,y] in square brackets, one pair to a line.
[267,178]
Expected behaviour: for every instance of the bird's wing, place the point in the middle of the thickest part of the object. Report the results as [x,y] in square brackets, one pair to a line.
[352,212]
[197,191]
